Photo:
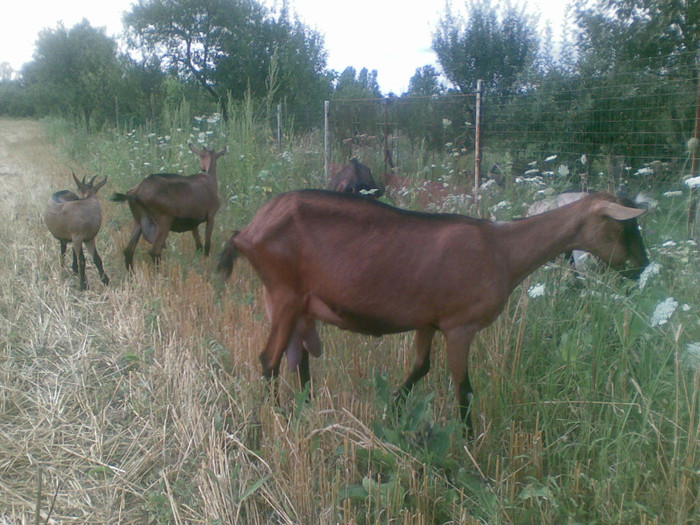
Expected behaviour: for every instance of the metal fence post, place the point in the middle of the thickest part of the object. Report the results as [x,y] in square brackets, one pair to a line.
[326,139]
[477,141]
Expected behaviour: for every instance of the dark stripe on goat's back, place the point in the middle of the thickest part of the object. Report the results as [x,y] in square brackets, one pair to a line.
[363,201]
[65,196]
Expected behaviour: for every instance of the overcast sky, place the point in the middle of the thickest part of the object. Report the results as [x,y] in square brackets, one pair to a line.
[386,35]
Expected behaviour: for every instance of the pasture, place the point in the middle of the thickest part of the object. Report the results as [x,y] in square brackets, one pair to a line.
[143,402]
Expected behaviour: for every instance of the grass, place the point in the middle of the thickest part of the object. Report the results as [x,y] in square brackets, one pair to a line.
[142,402]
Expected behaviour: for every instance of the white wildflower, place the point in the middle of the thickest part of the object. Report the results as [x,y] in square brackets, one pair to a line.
[663,311]
[501,205]
[651,269]
[447,123]
[693,182]
[550,158]
[563,170]
[531,172]
[691,359]
[213,119]
[673,193]
[536,290]
[668,244]
[644,171]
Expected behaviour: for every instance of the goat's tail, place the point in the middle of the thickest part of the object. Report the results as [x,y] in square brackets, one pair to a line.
[119,197]
[228,257]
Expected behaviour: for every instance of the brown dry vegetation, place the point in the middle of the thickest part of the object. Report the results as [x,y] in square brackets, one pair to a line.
[123,404]
[142,402]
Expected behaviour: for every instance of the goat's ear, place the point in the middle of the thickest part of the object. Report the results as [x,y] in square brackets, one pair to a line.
[194,149]
[222,152]
[620,212]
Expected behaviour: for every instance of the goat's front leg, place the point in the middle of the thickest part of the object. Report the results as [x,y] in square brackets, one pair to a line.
[458,341]
[208,230]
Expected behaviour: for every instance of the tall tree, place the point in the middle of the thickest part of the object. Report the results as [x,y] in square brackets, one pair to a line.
[229,46]
[76,69]
[496,45]
[638,30]
[425,82]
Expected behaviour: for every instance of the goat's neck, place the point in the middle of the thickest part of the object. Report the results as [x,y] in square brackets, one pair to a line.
[529,243]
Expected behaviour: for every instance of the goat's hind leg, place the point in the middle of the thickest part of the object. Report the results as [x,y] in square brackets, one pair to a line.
[197,239]
[131,247]
[421,366]
[283,315]
[78,252]
[458,341]
[92,248]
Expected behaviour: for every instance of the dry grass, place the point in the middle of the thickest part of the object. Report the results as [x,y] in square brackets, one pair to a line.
[141,402]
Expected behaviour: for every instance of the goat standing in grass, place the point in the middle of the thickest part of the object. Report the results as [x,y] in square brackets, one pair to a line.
[371,268]
[77,219]
[164,202]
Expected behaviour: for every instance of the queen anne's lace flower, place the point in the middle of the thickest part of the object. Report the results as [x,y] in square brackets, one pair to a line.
[663,311]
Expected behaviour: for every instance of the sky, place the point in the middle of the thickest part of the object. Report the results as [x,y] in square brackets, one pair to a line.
[385,35]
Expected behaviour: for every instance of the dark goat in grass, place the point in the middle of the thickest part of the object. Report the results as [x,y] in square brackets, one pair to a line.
[354,178]
[77,219]
[371,268]
[162,203]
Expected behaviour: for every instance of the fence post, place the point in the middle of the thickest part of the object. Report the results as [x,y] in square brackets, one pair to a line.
[326,139]
[693,206]
[477,141]
[279,125]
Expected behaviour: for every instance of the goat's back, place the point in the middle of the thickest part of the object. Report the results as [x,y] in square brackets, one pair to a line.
[181,195]
[68,217]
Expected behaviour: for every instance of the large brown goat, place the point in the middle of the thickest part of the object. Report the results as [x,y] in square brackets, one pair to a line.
[77,219]
[354,178]
[371,268]
[162,203]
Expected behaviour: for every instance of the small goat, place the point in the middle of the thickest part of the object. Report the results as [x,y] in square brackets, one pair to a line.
[371,268]
[162,203]
[77,219]
[354,178]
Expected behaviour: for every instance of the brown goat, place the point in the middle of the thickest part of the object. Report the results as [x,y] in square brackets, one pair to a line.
[77,219]
[354,178]
[162,203]
[371,268]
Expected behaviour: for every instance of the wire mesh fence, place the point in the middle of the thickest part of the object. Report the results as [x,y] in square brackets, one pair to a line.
[632,125]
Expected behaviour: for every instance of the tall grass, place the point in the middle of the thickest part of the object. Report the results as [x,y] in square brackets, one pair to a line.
[141,402]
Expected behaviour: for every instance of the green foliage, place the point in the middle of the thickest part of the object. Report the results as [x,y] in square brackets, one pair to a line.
[75,69]
[496,45]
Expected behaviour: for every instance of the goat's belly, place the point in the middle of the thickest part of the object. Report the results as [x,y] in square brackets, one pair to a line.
[184,224]
[348,319]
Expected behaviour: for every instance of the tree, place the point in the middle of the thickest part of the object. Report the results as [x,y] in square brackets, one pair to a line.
[230,47]
[496,46]
[425,82]
[76,70]
[630,31]
[353,85]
